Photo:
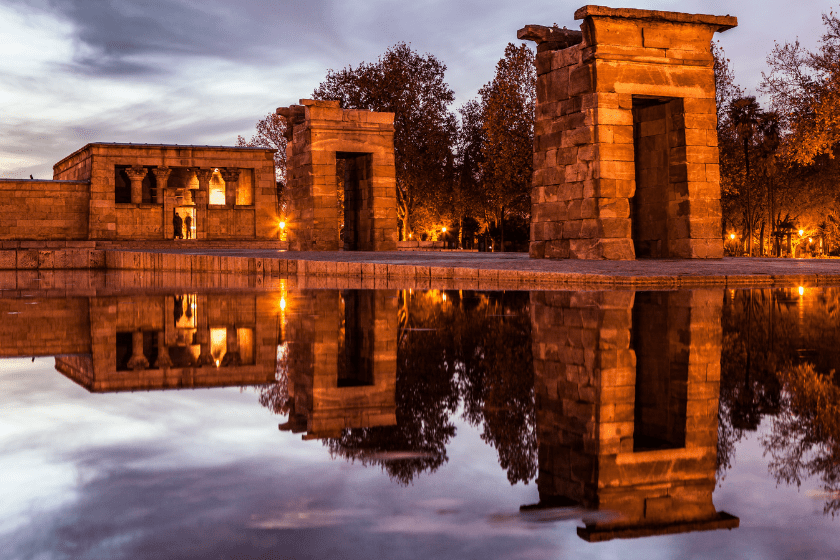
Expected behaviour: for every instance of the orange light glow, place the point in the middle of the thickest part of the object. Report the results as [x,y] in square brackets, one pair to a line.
[282,225]
[731,236]
[801,232]
[443,229]
[801,290]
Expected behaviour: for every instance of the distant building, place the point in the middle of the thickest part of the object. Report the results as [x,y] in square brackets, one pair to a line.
[122,192]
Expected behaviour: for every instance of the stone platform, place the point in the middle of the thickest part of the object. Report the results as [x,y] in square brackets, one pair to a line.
[469,270]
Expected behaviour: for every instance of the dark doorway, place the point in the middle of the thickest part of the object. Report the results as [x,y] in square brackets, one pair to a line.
[653,137]
[355,171]
[661,372]
[355,338]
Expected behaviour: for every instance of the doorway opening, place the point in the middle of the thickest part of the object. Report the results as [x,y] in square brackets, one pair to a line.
[660,412]
[354,173]
[654,136]
[185,217]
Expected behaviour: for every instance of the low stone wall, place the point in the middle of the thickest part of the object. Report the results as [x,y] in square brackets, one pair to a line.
[44,210]
[50,255]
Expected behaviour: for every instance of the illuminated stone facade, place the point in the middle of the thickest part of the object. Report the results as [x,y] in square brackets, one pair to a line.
[320,135]
[132,192]
[625,146]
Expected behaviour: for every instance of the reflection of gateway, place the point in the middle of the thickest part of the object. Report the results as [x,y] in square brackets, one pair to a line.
[166,342]
[342,361]
[627,389]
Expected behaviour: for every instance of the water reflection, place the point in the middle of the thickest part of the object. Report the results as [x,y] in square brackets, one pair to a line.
[625,408]
[627,397]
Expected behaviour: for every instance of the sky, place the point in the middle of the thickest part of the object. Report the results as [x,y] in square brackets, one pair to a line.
[204,71]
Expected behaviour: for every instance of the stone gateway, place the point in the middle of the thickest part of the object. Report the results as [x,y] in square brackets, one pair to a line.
[625,142]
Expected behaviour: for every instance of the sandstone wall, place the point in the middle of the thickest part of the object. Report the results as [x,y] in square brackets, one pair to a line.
[109,220]
[320,131]
[43,210]
[587,166]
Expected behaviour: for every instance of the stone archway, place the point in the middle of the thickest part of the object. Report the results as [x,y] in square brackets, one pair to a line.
[324,138]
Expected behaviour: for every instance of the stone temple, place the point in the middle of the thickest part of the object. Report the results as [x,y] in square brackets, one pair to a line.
[625,143]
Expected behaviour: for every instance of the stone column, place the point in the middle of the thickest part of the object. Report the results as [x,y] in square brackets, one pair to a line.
[163,360]
[232,356]
[202,199]
[231,177]
[138,360]
[162,177]
[136,174]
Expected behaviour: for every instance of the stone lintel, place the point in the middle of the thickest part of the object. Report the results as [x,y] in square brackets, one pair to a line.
[325,103]
[722,23]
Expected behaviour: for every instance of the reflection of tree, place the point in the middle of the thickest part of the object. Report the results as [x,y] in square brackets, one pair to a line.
[456,347]
[778,330]
[805,436]
[497,382]
[453,347]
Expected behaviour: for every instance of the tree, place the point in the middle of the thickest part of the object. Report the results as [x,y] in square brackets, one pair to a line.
[271,132]
[411,86]
[804,87]
[507,107]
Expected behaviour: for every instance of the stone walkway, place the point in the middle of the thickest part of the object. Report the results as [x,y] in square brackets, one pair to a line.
[489,268]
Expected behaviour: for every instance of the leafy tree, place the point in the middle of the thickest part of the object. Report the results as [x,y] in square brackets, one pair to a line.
[271,132]
[507,108]
[804,87]
[411,86]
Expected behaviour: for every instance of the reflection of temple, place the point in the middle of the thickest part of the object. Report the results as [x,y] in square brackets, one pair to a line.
[341,360]
[627,417]
[149,342]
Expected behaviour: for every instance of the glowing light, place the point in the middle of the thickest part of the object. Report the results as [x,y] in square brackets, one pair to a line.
[444,297]
[217,363]
[410,236]
[810,240]
[731,236]
[801,290]
[801,232]
[282,225]
[282,303]
[443,229]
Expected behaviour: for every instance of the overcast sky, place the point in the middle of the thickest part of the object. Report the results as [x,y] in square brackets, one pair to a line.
[204,71]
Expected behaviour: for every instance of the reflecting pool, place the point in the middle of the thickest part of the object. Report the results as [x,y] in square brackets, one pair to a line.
[303,423]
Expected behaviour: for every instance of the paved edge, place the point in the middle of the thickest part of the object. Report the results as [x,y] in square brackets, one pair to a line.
[374,275]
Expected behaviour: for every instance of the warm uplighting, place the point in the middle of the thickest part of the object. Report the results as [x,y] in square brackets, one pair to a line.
[282,303]
[731,236]
[801,232]
[282,225]
[443,296]
[217,363]
[410,236]
[801,290]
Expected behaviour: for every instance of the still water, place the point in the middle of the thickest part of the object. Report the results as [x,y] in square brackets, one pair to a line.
[299,424]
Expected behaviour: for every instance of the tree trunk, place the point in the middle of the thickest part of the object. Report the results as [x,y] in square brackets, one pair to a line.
[502,228]
[761,240]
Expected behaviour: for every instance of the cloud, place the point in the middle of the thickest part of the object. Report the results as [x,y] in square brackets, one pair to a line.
[117,38]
